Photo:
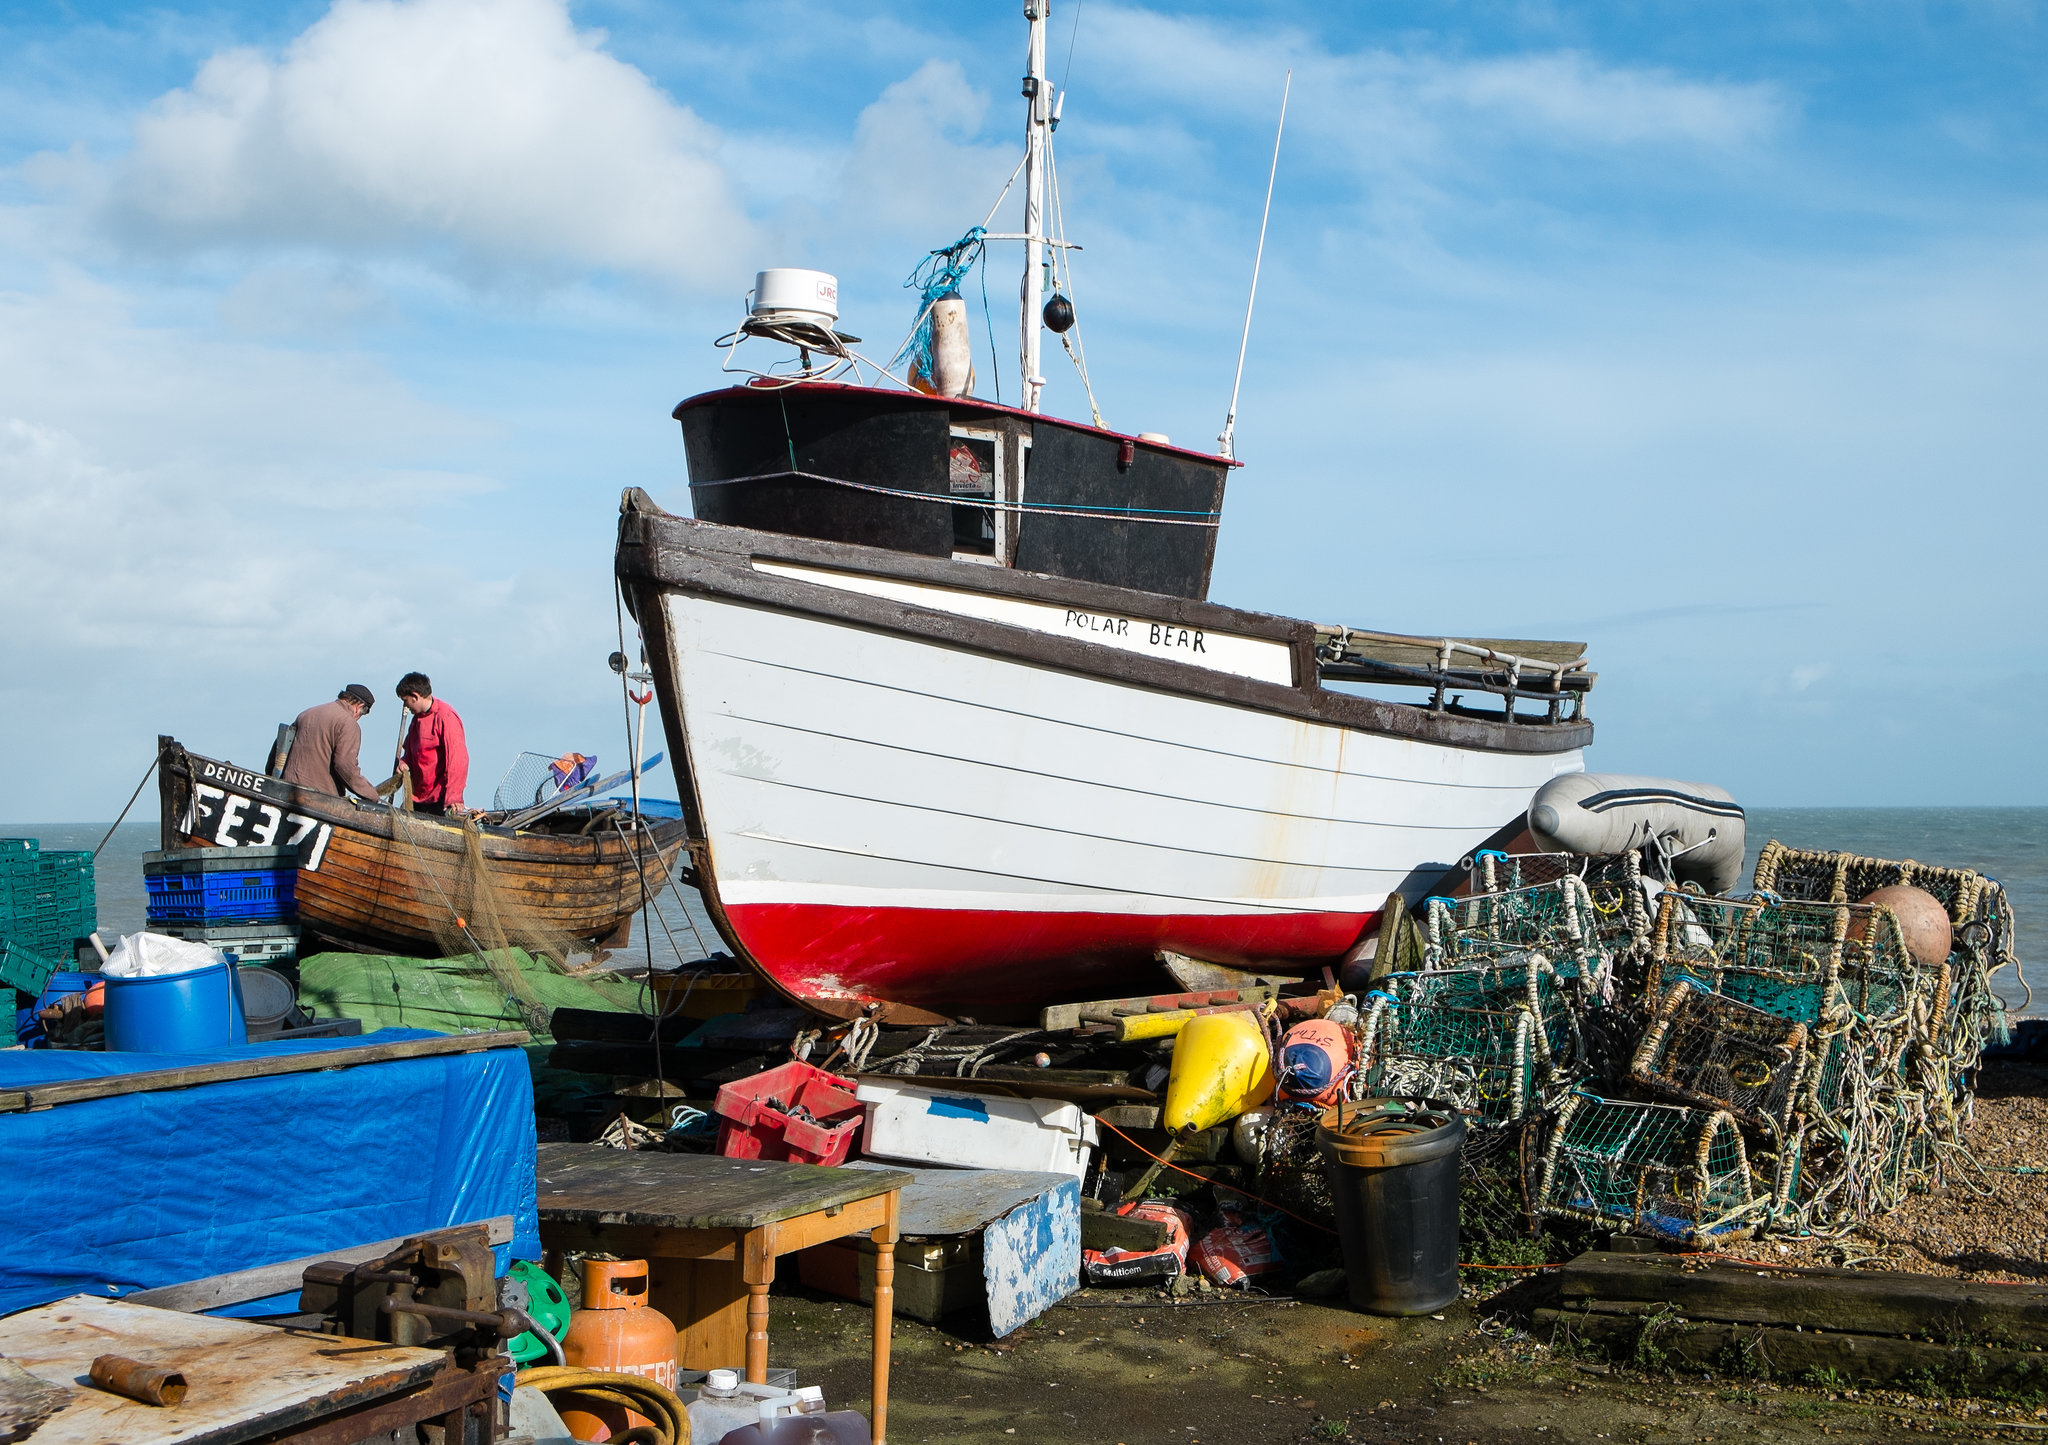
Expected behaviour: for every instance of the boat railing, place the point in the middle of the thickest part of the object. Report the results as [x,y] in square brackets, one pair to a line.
[1552,673]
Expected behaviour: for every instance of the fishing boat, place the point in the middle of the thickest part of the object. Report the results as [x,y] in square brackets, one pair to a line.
[956,727]
[382,880]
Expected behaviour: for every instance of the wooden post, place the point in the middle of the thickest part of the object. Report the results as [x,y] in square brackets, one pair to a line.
[884,1237]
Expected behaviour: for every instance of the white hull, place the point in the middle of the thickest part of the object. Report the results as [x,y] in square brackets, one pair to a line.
[889,816]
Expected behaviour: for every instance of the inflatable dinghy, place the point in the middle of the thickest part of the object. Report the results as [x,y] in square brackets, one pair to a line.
[1696,827]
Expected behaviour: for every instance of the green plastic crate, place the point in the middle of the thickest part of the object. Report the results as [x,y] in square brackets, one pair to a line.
[24,969]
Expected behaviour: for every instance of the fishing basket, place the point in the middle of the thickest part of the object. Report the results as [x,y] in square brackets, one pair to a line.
[1666,1170]
[1715,1052]
[1558,918]
[1613,880]
[1494,1040]
[1979,910]
[1815,877]
[1801,961]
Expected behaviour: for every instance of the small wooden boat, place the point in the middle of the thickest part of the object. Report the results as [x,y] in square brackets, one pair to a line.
[374,879]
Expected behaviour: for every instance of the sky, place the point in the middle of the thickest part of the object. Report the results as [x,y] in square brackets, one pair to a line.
[1711,336]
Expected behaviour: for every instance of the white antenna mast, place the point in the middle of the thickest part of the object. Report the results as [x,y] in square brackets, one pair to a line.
[1225,442]
[1038,99]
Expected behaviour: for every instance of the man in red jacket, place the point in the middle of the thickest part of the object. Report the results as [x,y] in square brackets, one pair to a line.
[435,755]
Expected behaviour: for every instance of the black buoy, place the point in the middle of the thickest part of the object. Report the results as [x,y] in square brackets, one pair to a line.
[1059,314]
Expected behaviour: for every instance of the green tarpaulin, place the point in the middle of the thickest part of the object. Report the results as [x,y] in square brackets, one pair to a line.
[449,995]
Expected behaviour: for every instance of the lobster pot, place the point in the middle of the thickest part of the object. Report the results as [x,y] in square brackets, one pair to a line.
[1796,874]
[1970,1013]
[1613,881]
[1490,1040]
[1557,919]
[1718,1053]
[1658,1169]
[1797,960]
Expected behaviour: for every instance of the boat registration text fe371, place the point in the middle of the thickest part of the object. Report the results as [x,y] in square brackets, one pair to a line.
[230,807]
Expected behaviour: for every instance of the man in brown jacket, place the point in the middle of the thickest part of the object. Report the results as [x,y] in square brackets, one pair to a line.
[327,744]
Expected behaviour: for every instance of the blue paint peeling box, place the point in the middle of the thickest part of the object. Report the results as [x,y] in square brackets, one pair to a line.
[1004,1239]
[976,1131]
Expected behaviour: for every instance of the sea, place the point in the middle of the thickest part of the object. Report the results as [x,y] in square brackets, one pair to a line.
[2008,844]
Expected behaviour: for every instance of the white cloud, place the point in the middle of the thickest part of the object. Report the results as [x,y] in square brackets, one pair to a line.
[915,166]
[1393,108]
[1571,98]
[492,131]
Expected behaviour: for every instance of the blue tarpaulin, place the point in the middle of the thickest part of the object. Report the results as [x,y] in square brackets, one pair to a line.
[107,1196]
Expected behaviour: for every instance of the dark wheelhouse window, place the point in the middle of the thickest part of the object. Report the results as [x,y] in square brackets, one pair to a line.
[971,472]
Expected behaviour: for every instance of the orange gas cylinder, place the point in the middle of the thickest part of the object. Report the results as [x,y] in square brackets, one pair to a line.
[616,1331]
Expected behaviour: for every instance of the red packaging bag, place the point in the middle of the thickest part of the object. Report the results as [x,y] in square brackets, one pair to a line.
[1230,1256]
[1131,1266]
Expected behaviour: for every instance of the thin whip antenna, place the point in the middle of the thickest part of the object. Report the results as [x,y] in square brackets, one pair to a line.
[1224,442]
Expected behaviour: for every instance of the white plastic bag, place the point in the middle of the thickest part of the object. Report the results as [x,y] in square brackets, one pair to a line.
[151,955]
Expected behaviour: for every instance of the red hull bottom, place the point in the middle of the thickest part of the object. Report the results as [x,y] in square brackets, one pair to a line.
[955,960]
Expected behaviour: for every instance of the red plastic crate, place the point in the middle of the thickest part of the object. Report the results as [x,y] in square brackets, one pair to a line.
[756,1116]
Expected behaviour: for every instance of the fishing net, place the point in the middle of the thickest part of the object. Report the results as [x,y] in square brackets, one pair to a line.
[473,907]
[1291,1172]
[1661,1169]
[536,777]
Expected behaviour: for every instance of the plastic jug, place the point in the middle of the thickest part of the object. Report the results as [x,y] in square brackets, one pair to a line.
[725,1403]
[801,1419]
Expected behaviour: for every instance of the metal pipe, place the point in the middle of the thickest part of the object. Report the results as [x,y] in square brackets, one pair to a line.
[505,1322]
[541,1332]
[150,1384]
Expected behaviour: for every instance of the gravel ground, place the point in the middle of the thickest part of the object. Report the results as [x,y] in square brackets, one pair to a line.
[1988,1224]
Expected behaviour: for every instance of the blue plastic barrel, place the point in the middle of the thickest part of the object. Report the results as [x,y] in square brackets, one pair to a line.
[176,1012]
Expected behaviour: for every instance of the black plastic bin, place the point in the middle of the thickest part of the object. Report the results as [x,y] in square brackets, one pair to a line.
[1393,1169]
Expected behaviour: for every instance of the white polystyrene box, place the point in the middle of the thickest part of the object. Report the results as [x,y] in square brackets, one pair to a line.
[975,1131]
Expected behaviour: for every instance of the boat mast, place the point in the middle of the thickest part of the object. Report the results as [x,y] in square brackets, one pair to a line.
[1038,107]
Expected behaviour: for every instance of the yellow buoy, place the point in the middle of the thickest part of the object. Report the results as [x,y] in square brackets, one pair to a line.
[1220,1069]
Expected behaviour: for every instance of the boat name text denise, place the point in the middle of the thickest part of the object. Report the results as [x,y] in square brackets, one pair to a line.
[236,819]
[1254,657]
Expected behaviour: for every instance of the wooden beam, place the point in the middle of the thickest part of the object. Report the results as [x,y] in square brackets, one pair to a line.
[1872,1302]
[73,1091]
[1635,1331]
[196,1296]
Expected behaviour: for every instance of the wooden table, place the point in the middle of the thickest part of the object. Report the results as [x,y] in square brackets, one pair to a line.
[710,1229]
[249,1383]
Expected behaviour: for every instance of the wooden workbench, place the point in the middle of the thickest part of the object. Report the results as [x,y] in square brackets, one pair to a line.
[249,1382]
[710,1229]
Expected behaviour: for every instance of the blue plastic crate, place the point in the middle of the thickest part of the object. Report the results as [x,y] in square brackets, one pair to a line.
[208,897]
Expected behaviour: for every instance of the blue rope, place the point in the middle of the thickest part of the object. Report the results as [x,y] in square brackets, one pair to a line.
[939,275]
